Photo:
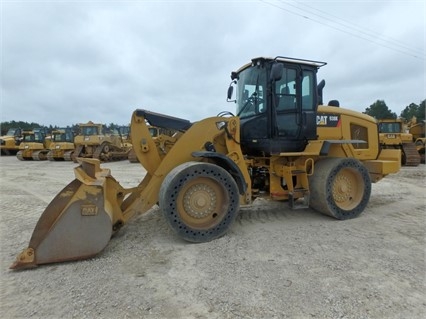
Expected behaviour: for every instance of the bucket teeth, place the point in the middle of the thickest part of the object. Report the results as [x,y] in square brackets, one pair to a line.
[24,260]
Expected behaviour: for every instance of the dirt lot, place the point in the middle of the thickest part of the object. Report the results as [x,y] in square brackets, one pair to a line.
[274,263]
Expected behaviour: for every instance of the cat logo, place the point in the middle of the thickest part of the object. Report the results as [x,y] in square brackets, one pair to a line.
[322,120]
[328,120]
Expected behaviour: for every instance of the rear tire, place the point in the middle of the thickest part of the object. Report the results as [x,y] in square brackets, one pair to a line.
[340,187]
[199,201]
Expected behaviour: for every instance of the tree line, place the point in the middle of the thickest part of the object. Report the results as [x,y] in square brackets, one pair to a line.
[378,110]
[5,126]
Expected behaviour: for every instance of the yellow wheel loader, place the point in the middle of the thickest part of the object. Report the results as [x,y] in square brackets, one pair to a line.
[282,144]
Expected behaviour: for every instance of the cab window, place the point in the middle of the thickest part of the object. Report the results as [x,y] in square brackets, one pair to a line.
[308,91]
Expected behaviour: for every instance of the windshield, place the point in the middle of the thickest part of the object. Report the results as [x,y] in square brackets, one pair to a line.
[251,91]
[29,138]
[33,137]
[124,130]
[90,130]
[11,132]
[391,127]
[62,137]
[59,137]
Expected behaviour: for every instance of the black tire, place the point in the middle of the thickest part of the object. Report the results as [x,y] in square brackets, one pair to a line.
[340,187]
[199,201]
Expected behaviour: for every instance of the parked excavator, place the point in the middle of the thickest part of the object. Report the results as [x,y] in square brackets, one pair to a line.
[282,144]
[62,146]
[34,146]
[393,135]
[9,143]
[94,142]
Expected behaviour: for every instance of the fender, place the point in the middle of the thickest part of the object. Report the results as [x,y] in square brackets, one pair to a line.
[226,163]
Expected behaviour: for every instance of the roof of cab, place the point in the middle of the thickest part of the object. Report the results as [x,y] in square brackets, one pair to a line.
[313,63]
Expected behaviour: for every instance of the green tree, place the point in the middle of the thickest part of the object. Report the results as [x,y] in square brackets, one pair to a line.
[5,126]
[410,111]
[414,110]
[421,115]
[380,110]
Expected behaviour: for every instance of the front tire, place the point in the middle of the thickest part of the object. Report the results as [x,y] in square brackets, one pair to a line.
[199,201]
[340,187]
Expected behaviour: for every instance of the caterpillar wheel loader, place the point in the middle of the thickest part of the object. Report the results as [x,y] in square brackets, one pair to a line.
[9,143]
[281,145]
[34,146]
[392,135]
[62,146]
[93,142]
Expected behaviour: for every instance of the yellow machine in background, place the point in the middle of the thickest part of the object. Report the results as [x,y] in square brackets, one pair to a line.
[124,133]
[163,137]
[34,146]
[394,136]
[9,143]
[281,145]
[125,141]
[94,142]
[417,130]
[62,145]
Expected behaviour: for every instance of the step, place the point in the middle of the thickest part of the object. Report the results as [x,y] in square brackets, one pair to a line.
[296,201]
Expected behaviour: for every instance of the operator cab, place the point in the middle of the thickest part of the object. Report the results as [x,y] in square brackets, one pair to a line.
[277,102]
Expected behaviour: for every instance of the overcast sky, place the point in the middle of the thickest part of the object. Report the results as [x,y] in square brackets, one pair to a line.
[67,62]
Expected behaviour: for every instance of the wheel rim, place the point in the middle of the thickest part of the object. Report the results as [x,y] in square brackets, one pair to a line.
[347,189]
[201,203]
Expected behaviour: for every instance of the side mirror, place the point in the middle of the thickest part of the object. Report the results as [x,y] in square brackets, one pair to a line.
[231,91]
[276,72]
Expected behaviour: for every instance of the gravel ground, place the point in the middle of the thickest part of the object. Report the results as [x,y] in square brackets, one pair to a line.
[274,262]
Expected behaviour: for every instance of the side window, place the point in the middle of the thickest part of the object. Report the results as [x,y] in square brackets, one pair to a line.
[308,91]
[286,104]
[359,132]
[285,90]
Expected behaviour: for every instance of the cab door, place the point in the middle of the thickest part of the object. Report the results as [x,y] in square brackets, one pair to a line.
[286,106]
[309,105]
[295,108]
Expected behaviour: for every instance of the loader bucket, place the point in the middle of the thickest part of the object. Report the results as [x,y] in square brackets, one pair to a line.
[75,225]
